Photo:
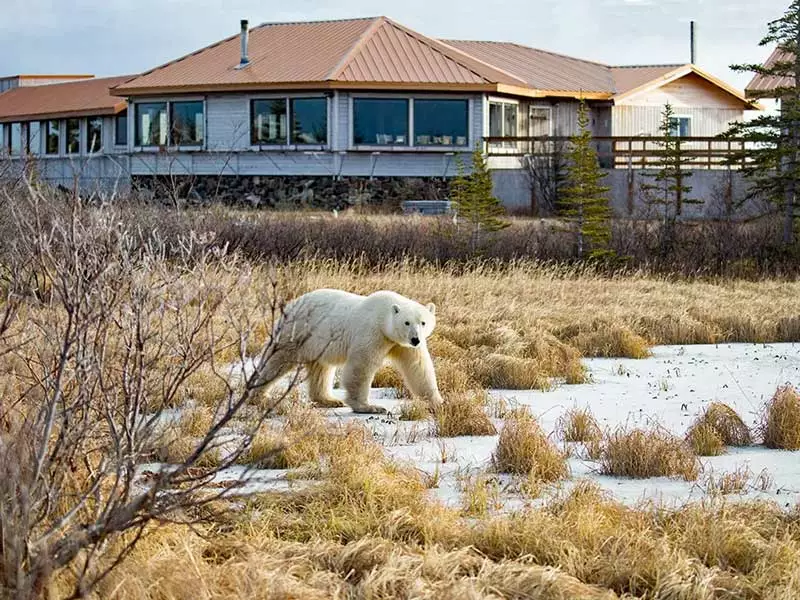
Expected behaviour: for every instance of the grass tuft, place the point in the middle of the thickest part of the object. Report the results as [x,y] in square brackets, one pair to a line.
[730,427]
[579,425]
[524,449]
[464,414]
[641,453]
[705,439]
[499,371]
[780,420]
[414,410]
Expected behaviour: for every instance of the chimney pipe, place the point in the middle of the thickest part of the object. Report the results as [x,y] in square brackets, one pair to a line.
[693,43]
[244,37]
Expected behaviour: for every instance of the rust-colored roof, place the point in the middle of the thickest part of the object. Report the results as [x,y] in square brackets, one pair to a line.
[761,84]
[59,100]
[335,53]
[627,78]
[540,69]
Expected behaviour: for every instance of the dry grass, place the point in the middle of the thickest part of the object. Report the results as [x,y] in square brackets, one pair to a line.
[780,421]
[414,410]
[464,414]
[727,483]
[498,371]
[705,439]
[480,494]
[579,425]
[641,453]
[524,449]
[731,428]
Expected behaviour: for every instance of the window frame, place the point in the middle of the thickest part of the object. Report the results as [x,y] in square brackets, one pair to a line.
[123,117]
[290,112]
[88,139]
[409,100]
[288,144]
[414,133]
[258,144]
[504,102]
[136,126]
[171,129]
[9,142]
[533,107]
[59,129]
[66,137]
[689,124]
[411,146]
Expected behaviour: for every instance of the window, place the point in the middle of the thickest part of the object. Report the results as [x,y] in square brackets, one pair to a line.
[309,118]
[53,137]
[94,134]
[34,137]
[121,129]
[151,124]
[268,122]
[681,126]
[502,119]
[15,139]
[73,136]
[380,121]
[440,122]
[187,123]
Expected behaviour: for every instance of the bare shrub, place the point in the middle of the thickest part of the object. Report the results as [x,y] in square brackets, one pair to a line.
[107,350]
[464,414]
[780,420]
[641,453]
[524,449]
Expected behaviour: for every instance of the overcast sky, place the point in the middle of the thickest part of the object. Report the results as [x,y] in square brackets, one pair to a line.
[113,37]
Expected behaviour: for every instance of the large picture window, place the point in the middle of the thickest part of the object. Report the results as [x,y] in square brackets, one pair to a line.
[52,137]
[187,123]
[268,122]
[441,122]
[121,129]
[94,134]
[309,118]
[15,139]
[151,124]
[73,136]
[380,121]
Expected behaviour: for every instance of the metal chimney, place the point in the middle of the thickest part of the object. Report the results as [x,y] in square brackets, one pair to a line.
[244,37]
[693,43]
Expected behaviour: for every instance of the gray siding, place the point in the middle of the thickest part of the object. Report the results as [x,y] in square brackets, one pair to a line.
[228,119]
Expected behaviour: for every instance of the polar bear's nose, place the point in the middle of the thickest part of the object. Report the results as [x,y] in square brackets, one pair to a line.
[415,341]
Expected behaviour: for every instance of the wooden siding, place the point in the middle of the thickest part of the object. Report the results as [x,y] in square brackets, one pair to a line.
[690,91]
[646,120]
[228,122]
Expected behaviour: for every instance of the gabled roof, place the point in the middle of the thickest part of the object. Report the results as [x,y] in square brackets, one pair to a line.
[654,76]
[767,83]
[543,70]
[347,53]
[87,97]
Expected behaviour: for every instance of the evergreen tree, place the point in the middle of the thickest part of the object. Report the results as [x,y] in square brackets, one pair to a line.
[585,199]
[771,159]
[669,191]
[472,194]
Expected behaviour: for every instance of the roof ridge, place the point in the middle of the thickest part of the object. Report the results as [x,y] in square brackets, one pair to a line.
[447,49]
[312,22]
[651,66]
[355,48]
[559,54]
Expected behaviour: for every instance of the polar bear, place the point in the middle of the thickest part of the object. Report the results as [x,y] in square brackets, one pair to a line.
[328,328]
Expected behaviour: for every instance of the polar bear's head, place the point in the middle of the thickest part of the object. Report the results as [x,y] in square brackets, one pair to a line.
[410,323]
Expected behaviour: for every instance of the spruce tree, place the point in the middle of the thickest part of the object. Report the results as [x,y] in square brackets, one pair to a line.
[472,194]
[771,159]
[669,190]
[585,199]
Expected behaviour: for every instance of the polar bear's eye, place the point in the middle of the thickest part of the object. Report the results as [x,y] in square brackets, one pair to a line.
[407,323]
[423,323]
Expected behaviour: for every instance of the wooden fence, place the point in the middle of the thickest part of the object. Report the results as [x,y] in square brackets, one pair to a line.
[627,152]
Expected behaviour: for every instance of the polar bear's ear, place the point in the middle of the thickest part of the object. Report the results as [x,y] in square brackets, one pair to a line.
[431,308]
[395,308]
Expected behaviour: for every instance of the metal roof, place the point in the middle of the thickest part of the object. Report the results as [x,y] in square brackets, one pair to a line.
[540,69]
[627,78]
[58,100]
[761,84]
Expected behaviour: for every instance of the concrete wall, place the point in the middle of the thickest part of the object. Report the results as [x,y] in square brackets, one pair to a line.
[721,190]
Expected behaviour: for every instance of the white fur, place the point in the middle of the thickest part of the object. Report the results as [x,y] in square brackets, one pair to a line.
[326,329]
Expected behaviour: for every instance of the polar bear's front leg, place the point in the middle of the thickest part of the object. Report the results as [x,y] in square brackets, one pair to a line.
[416,367]
[357,376]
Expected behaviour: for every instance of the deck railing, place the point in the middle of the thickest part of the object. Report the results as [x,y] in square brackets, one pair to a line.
[630,152]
